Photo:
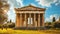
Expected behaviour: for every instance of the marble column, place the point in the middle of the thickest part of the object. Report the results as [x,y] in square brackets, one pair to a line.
[25,20]
[21,20]
[30,17]
[30,24]
[35,23]
[42,19]
[39,20]
[17,20]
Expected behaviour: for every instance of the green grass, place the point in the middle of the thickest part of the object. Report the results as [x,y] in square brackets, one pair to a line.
[11,31]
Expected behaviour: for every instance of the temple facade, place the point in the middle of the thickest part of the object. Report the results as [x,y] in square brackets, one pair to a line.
[29,17]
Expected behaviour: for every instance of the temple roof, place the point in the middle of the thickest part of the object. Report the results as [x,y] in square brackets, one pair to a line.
[30,8]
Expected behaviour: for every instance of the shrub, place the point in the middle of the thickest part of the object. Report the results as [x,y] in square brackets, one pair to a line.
[57,25]
[11,25]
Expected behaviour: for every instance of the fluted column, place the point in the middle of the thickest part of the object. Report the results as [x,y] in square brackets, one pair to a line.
[17,20]
[42,19]
[39,20]
[30,17]
[29,20]
[34,17]
[35,24]
[20,19]
[25,20]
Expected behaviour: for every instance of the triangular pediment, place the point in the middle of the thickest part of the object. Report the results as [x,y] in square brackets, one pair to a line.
[30,7]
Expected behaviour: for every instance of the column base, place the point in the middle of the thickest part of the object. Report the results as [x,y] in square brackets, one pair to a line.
[28,28]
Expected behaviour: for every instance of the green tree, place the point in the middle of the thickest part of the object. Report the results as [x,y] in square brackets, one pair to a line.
[54,19]
[4,7]
[59,18]
[10,21]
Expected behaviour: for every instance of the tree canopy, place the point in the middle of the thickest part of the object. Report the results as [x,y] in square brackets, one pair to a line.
[4,7]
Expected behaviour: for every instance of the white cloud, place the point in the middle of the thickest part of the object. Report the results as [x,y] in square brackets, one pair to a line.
[20,2]
[11,15]
[57,3]
[16,3]
[47,3]
[13,4]
[57,19]
[51,16]
[49,19]
[33,4]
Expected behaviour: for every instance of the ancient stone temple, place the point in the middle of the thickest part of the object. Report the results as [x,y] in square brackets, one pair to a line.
[29,17]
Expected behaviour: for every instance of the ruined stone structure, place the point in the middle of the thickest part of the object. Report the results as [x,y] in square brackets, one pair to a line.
[29,17]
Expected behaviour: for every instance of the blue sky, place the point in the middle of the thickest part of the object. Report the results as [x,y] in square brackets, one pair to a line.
[52,8]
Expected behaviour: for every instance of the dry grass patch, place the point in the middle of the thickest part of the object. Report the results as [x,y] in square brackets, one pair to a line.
[11,31]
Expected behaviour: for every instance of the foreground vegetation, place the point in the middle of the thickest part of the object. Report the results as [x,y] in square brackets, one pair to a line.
[11,31]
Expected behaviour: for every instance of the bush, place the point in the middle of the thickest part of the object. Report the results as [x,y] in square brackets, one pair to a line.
[11,25]
[57,25]
[48,27]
